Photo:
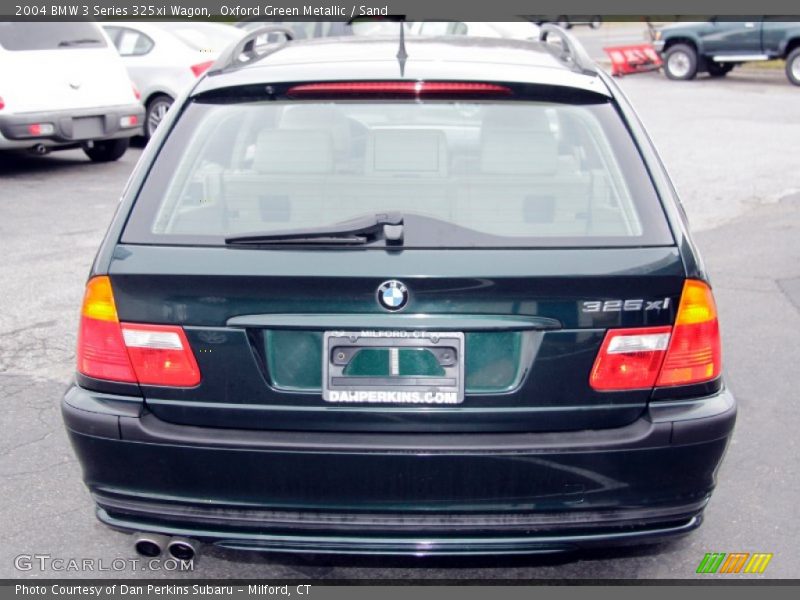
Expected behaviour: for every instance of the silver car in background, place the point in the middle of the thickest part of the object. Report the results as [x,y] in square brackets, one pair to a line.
[163,58]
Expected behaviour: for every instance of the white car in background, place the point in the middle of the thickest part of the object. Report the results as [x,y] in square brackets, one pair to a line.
[520,30]
[62,86]
[163,58]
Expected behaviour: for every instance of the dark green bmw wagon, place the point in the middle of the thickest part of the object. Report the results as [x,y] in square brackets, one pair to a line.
[434,300]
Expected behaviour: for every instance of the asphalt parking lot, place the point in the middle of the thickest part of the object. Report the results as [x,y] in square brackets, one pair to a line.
[731,146]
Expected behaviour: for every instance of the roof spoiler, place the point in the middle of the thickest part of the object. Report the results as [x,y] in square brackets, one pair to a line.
[570,51]
[244,52]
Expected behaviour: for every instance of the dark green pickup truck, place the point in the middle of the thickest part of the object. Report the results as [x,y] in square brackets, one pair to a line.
[715,46]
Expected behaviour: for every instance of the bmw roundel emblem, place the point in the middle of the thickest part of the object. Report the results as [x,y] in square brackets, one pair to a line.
[392,295]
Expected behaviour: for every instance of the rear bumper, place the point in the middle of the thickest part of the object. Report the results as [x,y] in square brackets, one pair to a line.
[70,126]
[401,493]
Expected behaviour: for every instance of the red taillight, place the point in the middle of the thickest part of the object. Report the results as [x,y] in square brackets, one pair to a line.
[129,352]
[101,349]
[41,129]
[695,350]
[136,91]
[630,359]
[689,352]
[201,68]
[160,355]
[403,89]
[128,121]
[2,103]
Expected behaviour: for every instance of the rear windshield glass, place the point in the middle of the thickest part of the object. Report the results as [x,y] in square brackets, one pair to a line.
[15,35]
[462,174]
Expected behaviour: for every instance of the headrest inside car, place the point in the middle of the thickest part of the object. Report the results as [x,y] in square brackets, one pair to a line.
[409,152]
[320,117]
[517,117]
[518,142]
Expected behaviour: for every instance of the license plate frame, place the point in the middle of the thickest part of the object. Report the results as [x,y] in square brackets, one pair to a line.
[395,389]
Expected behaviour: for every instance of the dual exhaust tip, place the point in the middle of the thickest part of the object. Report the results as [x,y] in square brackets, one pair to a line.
[152,545]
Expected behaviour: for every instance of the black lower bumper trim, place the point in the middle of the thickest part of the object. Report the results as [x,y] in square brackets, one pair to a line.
[229,516]
[472,542]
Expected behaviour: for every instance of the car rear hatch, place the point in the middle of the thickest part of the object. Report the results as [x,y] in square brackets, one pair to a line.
[527,229]
[256,320]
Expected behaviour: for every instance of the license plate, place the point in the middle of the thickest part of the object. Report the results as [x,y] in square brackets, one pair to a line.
[393,367]
[87,127]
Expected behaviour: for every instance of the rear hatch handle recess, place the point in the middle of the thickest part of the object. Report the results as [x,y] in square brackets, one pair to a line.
[411,321]
[358,231]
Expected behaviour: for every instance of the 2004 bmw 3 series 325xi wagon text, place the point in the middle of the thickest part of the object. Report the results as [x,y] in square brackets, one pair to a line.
[445,304]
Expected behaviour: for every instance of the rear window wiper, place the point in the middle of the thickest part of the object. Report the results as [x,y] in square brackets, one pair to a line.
[356,232]
[79,42]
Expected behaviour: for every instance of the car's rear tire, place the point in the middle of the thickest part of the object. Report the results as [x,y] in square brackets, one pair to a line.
[595,22]
[680,62]
[793,66]
[107,150]
[157,109]
[716,69]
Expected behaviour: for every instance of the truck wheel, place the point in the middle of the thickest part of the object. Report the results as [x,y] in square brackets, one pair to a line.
[716,69]
[107,150]
[793,66]
[680,62]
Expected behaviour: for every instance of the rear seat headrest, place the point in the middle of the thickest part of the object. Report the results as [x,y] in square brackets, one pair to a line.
[522,152]
[293,151]
[516,117]
[413,152]
[320,117]
[518,141]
